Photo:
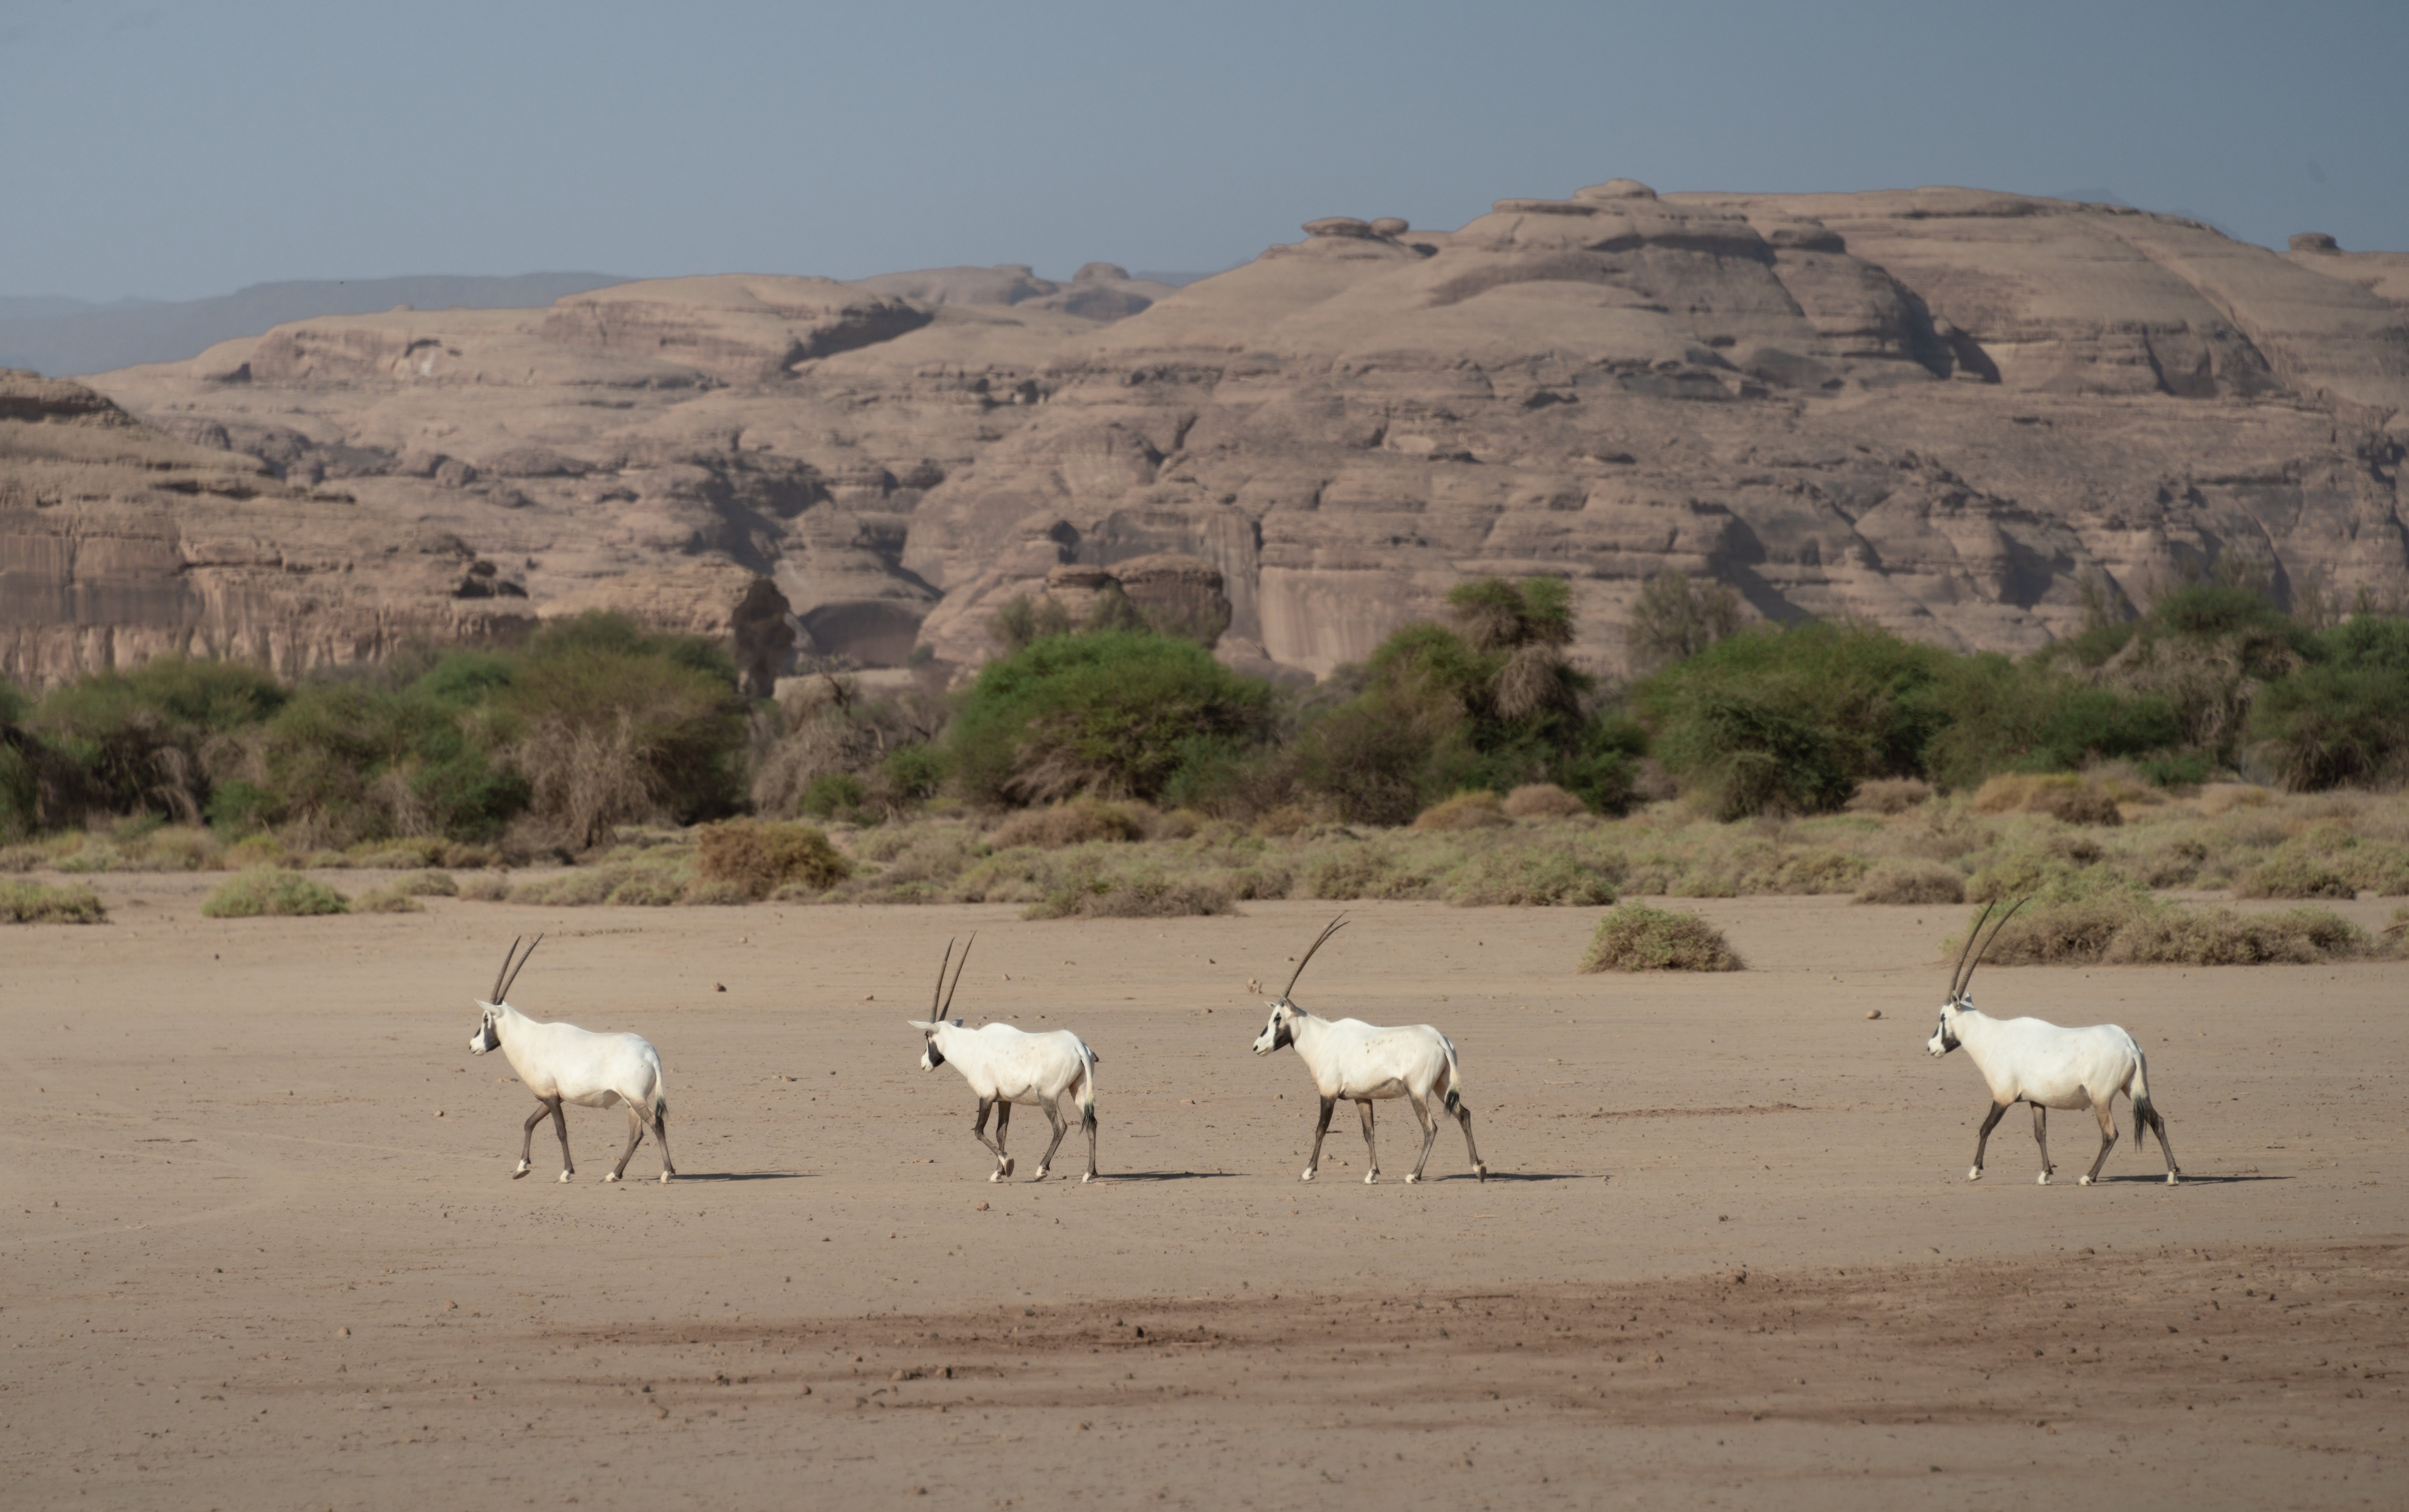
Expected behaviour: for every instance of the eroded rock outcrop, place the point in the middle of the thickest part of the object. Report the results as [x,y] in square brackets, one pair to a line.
[1946,411]
[119,543]
[1937,409]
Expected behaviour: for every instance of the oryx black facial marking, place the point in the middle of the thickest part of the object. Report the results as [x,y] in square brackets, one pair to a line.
[2034,1061]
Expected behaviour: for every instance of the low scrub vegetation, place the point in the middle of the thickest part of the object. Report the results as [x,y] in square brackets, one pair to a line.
[273,891]
[2126,925]
[1465,759]
[1634,937]
[38,903]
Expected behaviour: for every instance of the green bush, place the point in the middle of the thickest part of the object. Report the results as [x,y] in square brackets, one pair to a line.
[1108,714]
[36,903]
[1633,937]
[273,891]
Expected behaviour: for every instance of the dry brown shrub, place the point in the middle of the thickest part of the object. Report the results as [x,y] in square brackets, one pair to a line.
[2065,797]
[1633,937]
[2222,798]
[1282,822]
[1543,801]
[1074,823]
[593,778]
[487,887]
[1912,882]
[1474,809]
[762,854]
[1134,898]
[2294,874]
[1889,795]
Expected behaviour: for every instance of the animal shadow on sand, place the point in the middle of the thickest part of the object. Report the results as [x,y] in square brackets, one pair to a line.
[2189,1179]
[1164,1175]
[1516,1176]
[684,1176]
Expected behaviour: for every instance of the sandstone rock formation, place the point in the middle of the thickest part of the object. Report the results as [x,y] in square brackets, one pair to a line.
[1937,409]
[119,542]
[1953,412]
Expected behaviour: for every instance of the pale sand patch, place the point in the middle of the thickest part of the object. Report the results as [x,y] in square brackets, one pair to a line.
[238,1124]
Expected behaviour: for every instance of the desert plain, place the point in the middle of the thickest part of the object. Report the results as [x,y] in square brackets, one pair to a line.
[263,1247]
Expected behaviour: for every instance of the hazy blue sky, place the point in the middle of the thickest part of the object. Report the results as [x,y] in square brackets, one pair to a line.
[178,150]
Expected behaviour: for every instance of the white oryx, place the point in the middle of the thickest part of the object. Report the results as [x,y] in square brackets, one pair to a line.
[562,1063]
[1004,1066]
[1355,1060]
[2028,1060]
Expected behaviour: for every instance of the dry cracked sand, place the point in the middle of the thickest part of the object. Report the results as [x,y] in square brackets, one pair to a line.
[263,1248]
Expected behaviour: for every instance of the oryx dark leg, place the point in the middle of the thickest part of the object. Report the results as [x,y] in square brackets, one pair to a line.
[1982,1140]
[2106,1112]
[1088,1122]
[1430,1134]
[1002,1127]
[661,1137]
[1313,1161]
[2158,1127]
[635,1137]
[527,1144]
[978,1132]
[2041,1137]
[1062,1127]
[560,1127]
[1464,1117]
[1371,1152]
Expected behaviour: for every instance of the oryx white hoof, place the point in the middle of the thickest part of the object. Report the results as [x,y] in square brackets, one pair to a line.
[665,1178]
[1038,1175]
[1412,1176]
[2080,1181]
[1370,1177]
[2174,1178]
[1308,1174]
[1975,1174]
[1087,1178]
[610,1176]
[523,1170]
[2043,1179]
[564,1175]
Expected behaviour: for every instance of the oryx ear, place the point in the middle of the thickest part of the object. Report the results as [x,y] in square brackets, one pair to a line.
[957,1023]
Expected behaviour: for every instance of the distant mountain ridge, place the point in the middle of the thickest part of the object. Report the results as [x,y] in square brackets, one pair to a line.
[64,338]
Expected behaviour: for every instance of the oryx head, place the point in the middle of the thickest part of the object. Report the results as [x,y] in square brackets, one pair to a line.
[1280,1032]
[489,1030]
[931,1057]
[1944,1035]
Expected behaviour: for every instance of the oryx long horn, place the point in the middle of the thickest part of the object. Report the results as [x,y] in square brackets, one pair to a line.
[505,972]
[1957,973]
[958,974]
[1993,940]
[939,990]
[505,993]
[1327,931]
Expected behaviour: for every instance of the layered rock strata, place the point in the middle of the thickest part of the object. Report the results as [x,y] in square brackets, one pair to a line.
[1963,415]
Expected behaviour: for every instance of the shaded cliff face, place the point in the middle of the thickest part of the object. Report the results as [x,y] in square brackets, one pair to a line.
[1943,411]
[119,542]
[1938,411]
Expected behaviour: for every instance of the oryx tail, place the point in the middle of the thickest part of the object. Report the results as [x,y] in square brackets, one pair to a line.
[2141,1090]
[1454,1075]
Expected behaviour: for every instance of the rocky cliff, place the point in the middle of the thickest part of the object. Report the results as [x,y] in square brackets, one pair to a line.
[119,542]
[1953,412]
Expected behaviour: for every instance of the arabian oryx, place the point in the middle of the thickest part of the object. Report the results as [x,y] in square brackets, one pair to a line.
[1352,1059]
[1004,1066]
[562,1063]
[2028,1060]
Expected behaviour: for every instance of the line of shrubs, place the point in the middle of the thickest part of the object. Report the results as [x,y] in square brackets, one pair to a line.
[597,723]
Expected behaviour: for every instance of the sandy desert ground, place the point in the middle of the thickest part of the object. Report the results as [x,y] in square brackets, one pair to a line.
[263,1248]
